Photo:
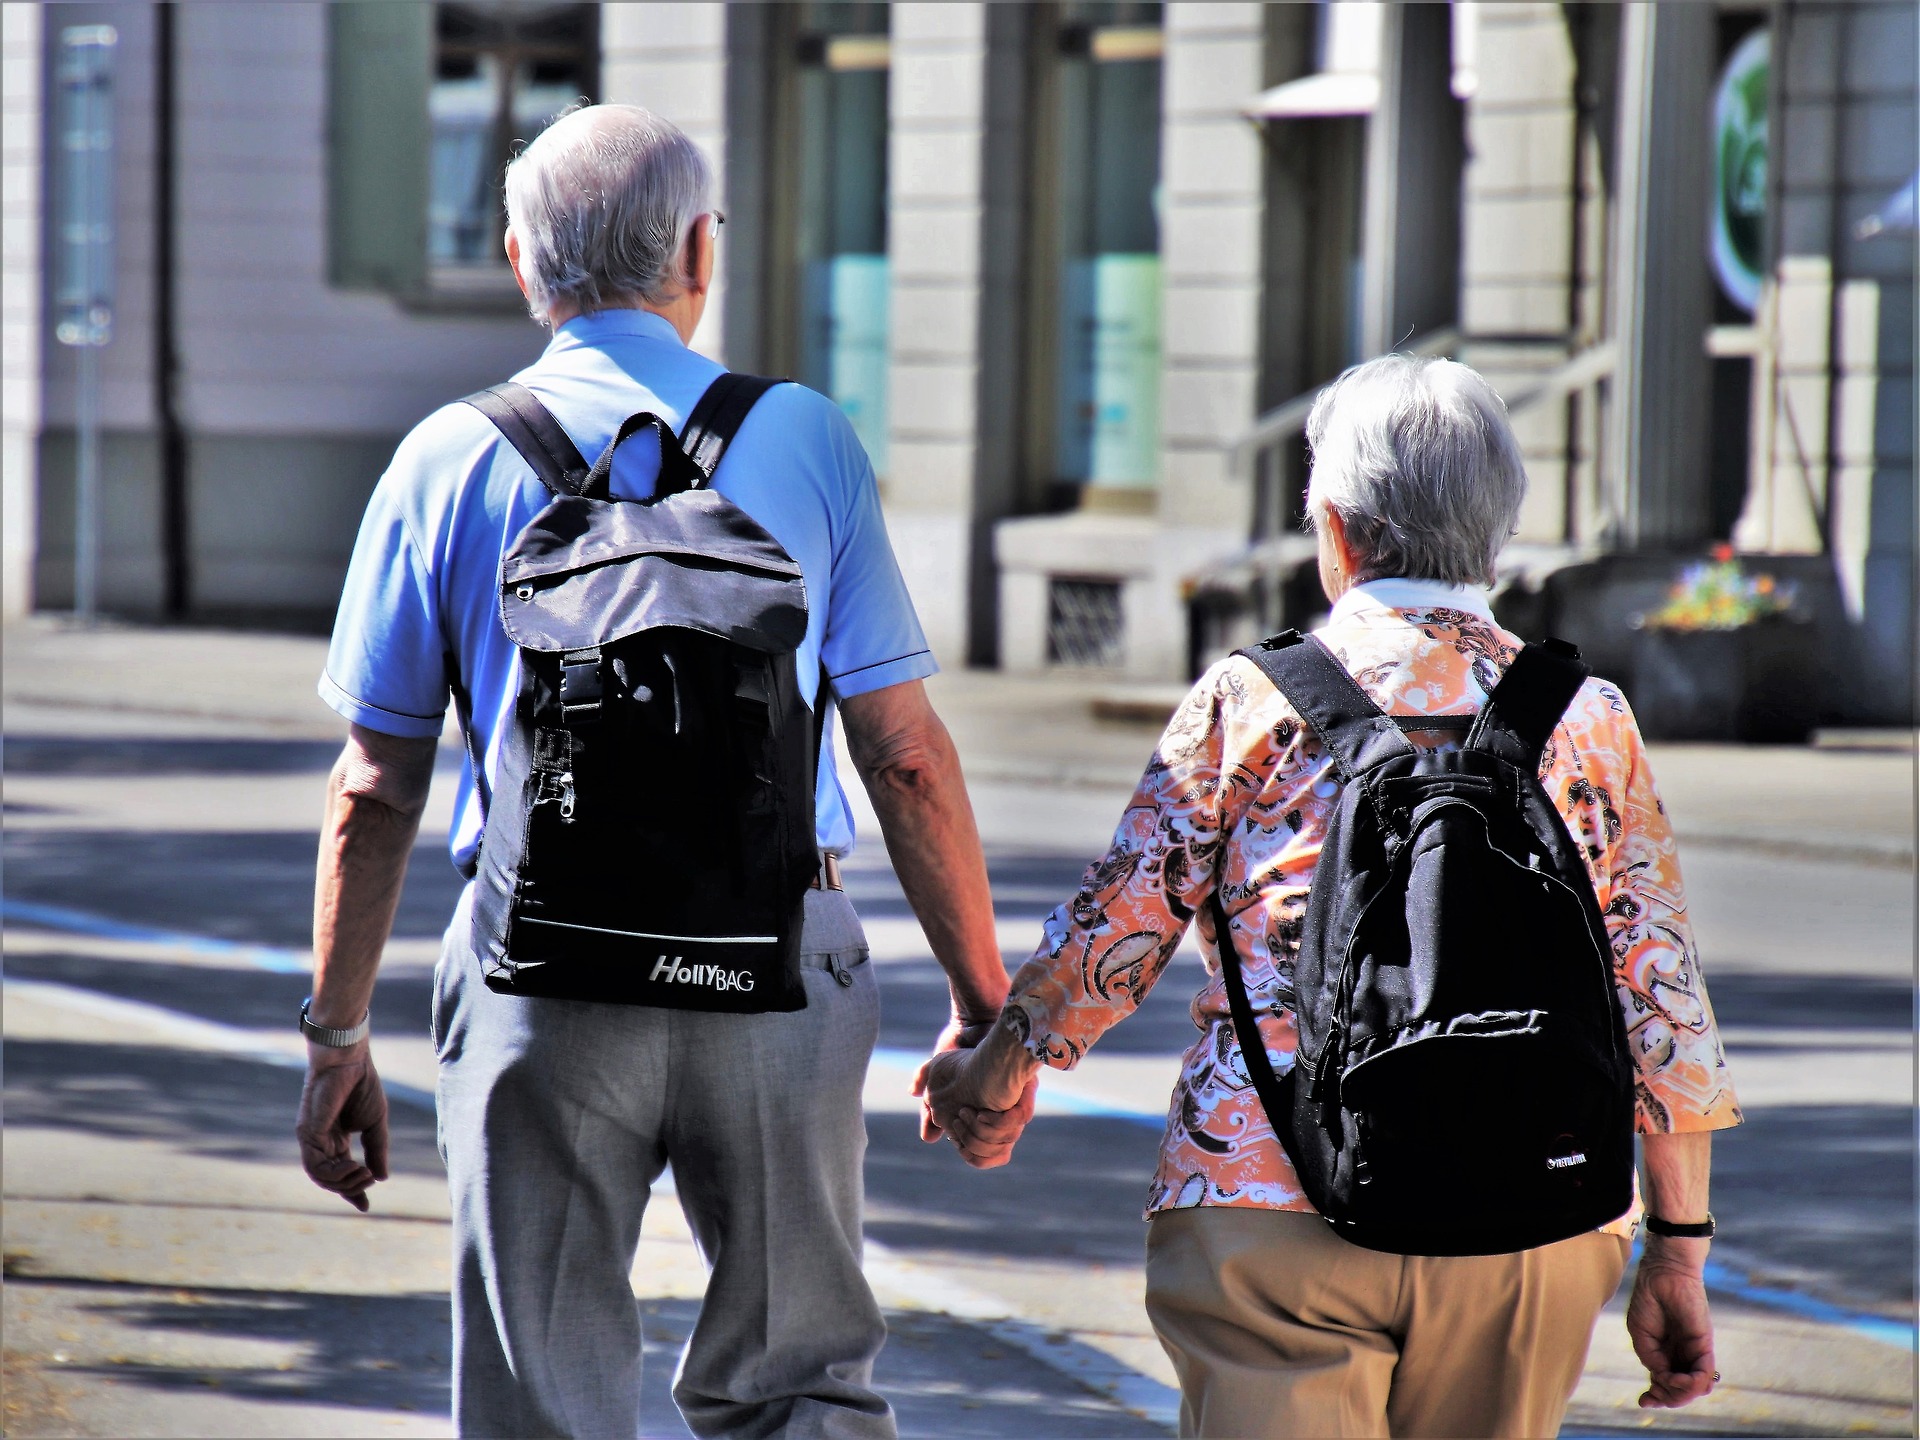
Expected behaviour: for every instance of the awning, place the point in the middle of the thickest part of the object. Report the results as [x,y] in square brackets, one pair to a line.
[1333,92]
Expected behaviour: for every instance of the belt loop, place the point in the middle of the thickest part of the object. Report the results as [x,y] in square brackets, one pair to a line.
[827,877]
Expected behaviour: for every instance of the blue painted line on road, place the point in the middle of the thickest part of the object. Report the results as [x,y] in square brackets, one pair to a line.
[279,959]
[1898,1333]
[1077,1104]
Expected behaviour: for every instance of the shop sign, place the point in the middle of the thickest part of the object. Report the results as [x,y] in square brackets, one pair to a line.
[1740,171]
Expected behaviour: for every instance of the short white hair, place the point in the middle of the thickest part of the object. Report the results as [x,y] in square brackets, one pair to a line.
[603,201]
[1418,458]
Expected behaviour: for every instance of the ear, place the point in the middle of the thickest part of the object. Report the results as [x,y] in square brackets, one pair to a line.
[513,262]
[700,255]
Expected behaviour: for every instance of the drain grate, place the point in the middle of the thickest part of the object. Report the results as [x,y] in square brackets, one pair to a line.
[1084,623]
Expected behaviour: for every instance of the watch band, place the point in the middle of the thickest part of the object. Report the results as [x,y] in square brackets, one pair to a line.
[331,1035]
[1702,1231]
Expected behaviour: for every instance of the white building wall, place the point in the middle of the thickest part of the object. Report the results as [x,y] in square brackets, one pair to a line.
[1517,229]
[937,95]
[672,58]
[20,294]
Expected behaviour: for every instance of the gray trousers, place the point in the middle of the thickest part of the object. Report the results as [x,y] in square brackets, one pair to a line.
[555,1118]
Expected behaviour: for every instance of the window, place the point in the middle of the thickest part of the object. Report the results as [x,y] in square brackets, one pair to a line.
[502,73]
[838,284]
[1098,230]
[426,105]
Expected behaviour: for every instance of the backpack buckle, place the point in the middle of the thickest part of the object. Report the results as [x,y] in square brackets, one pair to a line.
[582,686]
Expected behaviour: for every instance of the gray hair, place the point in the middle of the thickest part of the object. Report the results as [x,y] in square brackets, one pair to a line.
[1417,456]
[603,201]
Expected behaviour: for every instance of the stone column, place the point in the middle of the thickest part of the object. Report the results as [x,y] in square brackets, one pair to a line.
[20,161]
[937,124]
[1517,233]
[672,58]
[1211,180]
[1660,283]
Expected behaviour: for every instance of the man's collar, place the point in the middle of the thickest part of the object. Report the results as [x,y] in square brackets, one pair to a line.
[1400,594]
[598,325]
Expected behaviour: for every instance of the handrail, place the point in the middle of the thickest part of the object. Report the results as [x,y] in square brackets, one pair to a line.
[1582,369]
[1288,419]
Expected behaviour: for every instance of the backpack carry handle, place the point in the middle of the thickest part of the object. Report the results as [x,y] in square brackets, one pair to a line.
[677,472]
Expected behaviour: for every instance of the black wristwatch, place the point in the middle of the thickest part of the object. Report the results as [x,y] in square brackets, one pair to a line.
[1701,1231]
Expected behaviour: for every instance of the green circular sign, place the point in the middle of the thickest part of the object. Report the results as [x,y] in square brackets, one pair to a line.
[1740,171]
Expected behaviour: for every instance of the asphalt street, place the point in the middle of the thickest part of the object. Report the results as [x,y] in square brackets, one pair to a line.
[170,1272]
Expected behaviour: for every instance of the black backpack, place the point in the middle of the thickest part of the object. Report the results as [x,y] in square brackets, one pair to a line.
[651,839]
[1462,1084]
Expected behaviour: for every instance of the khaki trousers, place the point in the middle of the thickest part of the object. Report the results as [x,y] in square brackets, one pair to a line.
[1278,1327]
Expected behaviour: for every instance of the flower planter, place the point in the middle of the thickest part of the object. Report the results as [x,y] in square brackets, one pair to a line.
[1757,684]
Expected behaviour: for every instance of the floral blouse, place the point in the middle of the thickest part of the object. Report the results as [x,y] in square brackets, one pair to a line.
[1239,794]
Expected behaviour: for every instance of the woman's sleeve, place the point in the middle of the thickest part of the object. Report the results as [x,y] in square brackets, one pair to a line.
[1682,1082]
[1102,951]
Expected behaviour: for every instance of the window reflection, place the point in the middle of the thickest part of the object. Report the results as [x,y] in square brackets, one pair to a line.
[502,72]
[845,285]
[1107,369]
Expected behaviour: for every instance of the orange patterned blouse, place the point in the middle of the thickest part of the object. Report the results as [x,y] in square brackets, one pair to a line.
[1239,793]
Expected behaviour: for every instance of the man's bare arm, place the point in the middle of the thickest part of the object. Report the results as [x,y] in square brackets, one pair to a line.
[912,772]
[375,797]
[1667,1316]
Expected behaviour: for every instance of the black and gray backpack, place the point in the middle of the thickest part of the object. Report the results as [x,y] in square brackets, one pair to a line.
[650,840]
[1462,1084]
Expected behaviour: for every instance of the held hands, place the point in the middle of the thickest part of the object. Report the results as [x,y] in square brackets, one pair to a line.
[974,1096]
[342,1098]
[1669,1324]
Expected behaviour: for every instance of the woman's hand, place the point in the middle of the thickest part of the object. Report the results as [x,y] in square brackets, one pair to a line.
[981,1098]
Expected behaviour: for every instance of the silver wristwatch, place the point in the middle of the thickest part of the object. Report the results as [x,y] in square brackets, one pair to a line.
[330,1035]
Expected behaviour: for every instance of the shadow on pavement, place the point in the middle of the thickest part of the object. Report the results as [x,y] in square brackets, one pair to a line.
[255,888]
[1092,1172]
[1811,1001]
[1821,1197]
[384,1352]
[141,755]
[946,1380]
[231,995]
[206,1104]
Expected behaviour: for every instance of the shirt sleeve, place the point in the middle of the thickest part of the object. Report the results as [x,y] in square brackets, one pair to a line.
[1682,1081]
[1102,951]
[873,637]
[386,666]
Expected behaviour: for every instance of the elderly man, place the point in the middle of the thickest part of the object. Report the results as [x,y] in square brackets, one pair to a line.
[1276,1325]
[556,1115]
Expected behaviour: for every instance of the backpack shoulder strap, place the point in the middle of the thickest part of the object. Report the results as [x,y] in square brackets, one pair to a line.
[1354,730]
[1520,714]
[717,417]
[531,429]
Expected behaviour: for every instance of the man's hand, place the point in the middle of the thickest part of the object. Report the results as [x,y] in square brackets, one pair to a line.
[981,1097]
[342,1099]
[375,796]
[1669,1324]
[982,1119]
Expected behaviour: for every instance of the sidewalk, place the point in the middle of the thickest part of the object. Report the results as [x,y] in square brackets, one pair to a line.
[1840,805]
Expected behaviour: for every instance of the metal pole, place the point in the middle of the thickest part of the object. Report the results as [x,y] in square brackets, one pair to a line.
[86,492]
[85,287]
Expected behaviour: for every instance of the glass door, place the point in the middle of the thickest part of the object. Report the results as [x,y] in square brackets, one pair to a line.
[1097,210]
[842,286]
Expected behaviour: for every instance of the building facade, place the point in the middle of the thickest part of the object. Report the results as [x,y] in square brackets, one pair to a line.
[1074,270]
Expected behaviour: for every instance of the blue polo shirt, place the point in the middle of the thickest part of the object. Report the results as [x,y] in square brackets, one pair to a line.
[421,605]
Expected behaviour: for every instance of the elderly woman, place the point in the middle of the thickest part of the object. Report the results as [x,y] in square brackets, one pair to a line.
[1276,1325]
